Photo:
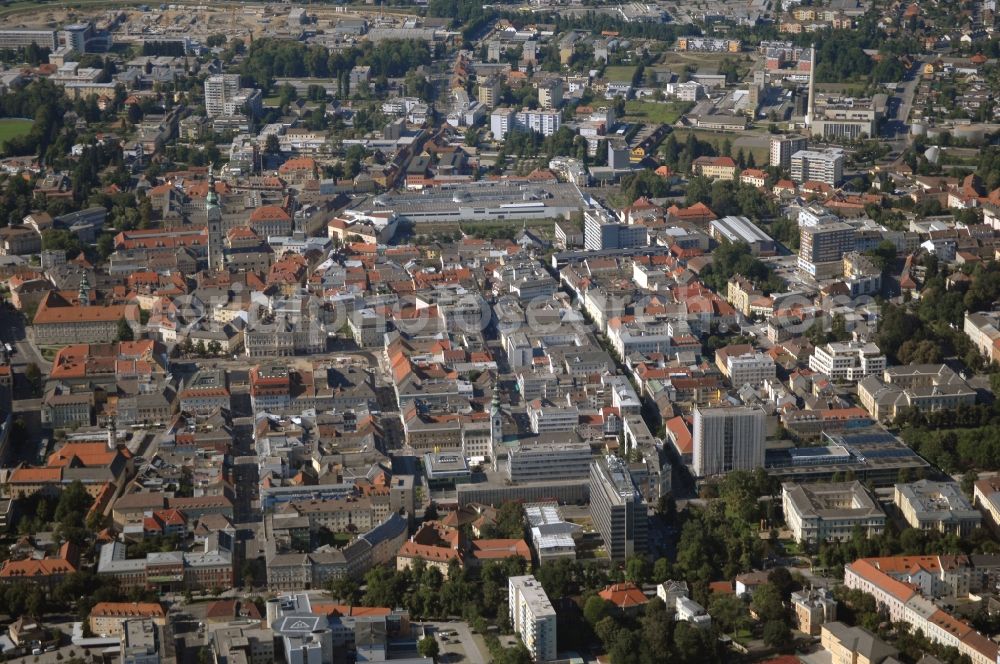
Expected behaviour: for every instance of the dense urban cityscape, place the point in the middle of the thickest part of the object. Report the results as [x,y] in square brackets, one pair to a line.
[567,331]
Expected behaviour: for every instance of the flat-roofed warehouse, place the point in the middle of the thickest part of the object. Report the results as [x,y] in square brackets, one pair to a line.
[741,229]
[480,201]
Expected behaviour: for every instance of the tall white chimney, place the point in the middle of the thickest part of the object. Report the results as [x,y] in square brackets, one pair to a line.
[812,81]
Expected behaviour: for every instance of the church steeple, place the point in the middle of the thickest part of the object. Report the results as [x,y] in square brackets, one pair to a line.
[212,198]
[213,218]
[496,425]
[84,294]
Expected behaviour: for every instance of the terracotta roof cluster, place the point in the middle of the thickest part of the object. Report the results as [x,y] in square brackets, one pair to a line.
[229,609]
[270,213]
[891,574]
[127,610]
[298,164]
[85,455]
[56,309]
[162,239]
[31,569]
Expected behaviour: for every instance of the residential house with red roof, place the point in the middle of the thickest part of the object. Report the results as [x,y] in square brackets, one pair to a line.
[626,597]
[715,168]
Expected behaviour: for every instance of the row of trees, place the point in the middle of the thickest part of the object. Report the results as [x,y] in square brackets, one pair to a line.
[936,320]
[653,638]
[41,101]
[426,593]
[68,515]
[963,439]
[730,259]
[267,59]
[727,197]
[840,55]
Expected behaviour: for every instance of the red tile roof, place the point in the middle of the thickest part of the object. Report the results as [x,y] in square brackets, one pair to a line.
[127,610]
[624,595]
[270,213]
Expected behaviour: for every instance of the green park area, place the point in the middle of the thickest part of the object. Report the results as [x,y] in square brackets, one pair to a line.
[13,128]
[655,112]
[620,73]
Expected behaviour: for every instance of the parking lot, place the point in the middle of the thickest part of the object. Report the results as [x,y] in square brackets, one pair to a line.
[60,656]
[457,642]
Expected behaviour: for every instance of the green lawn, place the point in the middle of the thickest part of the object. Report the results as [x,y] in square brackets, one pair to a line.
[14,127]
[619,73]
[655,112]
[791,548]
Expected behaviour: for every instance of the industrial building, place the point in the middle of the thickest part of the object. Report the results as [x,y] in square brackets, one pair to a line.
[478,201]
[740,229]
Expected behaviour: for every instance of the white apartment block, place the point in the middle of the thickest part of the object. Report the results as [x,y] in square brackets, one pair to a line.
[783,147]
[825,166]
[749,368]
[544,122]
[687,91]
[547,417]
[847,361]
[503,120]
[220,88]
[830,511]
[639,336]
[550,93]
[727,439]
[532,616]
[816,215]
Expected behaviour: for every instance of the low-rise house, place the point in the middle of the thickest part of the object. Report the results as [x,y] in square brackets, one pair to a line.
[855,645]
[813,607]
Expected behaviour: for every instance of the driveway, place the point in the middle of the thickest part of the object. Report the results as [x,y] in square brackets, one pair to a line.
[12,331]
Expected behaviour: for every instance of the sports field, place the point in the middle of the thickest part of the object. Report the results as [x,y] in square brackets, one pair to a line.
[14,127]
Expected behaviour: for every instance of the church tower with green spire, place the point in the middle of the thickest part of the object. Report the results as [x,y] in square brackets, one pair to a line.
[213,217]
